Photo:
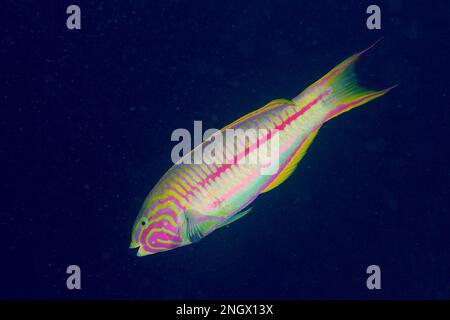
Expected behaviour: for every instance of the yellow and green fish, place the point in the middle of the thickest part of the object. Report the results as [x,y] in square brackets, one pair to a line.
[192,200]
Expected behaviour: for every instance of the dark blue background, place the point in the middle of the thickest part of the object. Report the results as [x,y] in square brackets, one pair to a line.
[86,118]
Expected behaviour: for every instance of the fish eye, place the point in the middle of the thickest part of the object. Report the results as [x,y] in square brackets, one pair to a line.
[143,222]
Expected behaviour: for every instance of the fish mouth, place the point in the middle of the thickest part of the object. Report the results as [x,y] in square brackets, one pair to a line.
[141,252]
[134,244]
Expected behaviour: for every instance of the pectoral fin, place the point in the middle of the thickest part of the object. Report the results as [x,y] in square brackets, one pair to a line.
[196,225]
[194,233]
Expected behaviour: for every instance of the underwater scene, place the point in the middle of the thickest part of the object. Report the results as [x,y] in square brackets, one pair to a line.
[224,150]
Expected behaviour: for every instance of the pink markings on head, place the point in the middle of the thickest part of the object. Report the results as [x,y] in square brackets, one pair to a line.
[157,231]
[171,199]
[160,219]
[165,211]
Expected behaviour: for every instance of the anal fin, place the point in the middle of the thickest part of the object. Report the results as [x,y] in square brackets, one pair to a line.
[292,164]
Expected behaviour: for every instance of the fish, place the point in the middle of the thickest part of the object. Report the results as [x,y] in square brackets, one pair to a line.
[191,200]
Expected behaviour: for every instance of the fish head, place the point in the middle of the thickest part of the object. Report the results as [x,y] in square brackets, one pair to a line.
[157,228]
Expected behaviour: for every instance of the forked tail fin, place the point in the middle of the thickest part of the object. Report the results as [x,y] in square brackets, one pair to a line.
[343,92]
[336,92]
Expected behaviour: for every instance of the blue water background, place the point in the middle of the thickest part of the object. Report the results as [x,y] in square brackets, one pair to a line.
[86,118]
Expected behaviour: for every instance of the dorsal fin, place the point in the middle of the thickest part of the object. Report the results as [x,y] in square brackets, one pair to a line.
[292,164]
[272,104]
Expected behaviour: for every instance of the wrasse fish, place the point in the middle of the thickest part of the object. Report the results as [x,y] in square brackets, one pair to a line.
[192,200]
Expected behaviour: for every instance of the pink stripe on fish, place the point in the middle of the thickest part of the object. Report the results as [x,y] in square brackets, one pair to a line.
[280,127]
[248,179]
[344,106]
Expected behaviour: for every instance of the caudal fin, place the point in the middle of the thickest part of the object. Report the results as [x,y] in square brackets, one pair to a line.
[344,91]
